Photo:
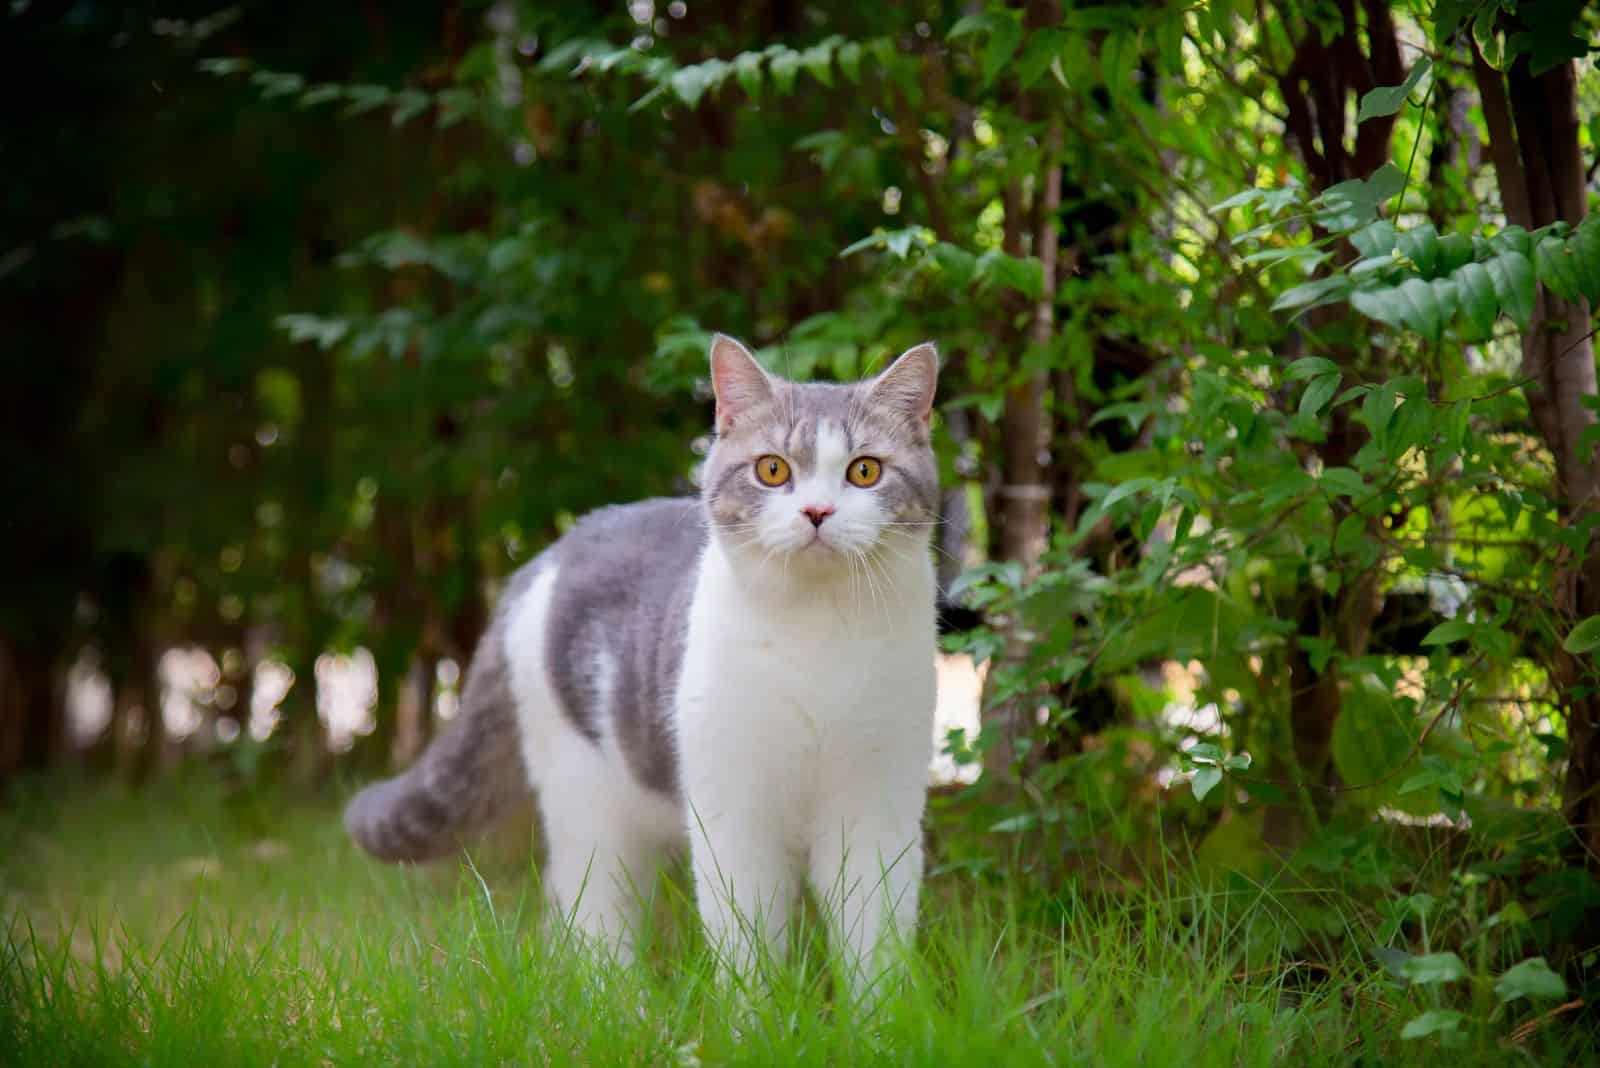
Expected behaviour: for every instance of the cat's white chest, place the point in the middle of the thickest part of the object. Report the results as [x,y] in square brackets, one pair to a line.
[781,703]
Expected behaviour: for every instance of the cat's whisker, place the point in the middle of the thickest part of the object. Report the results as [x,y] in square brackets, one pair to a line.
[935,546]
[879,584]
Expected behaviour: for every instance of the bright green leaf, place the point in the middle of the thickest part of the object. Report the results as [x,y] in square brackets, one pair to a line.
[1005,34]
[1531,979]
[1433,1022]
[1310,367]
[1511,275]
[1432,968]
[1479,305]
[1584,638]
[1318,392]
[1386,100]
[1448,632]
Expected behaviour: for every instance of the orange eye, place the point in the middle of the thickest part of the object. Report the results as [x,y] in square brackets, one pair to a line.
[865,471]
[772,470]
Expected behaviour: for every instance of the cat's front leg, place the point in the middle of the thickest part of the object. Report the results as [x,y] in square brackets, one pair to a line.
[745,888]
[866,869]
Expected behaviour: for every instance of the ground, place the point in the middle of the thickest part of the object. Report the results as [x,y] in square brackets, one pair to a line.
[197,925]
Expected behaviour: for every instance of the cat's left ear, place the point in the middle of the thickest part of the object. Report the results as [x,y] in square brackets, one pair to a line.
[738,381]
[909,383]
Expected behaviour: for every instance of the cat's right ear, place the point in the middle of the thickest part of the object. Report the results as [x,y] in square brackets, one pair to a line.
[738,381]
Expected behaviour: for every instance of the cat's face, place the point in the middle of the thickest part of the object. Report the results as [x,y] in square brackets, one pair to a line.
[819,475]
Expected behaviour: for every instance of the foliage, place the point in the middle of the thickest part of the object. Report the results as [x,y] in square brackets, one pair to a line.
[1298,615]
[216,944]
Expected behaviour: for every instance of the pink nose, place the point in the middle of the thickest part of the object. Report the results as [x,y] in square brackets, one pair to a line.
[817,513]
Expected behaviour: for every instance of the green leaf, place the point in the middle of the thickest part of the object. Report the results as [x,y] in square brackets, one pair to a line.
[1239,200]
[817,61]
[1349,204]
[1319,391]
[747,68]
[320,94]
[1005,34]
[1550,41]
[1570,265]
[1455,250]
[1511,275]
[1415,304]
[1205,779]
[1386,100]
[364,98]
[1585,243]
[1557,267]
[1119,52]
[1420,245]
[849,56]
[1122,491]
[1310,367]
[325,332]
[690,83]
[1376,239]
[275,83]
[1479,305]
[785,68]
[1433,1022]
[1432,968]
[1025,275]
[1531,979]
[1485,34]
[1042,48]
[1311,294]
[874,240]
[222,66]
[1448,632]
[957,263]
[1343,482]
[408,104]
[1584,638]
[1307,256]
[967,25]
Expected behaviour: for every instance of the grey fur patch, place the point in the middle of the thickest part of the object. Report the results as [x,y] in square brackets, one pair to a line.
[621,599]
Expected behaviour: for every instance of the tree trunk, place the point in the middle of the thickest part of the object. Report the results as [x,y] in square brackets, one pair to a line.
[1534,145]
[1325,77]
[413,711]
[1025,432]
[32,720]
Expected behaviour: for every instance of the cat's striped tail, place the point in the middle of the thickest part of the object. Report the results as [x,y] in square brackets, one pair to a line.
[471,774]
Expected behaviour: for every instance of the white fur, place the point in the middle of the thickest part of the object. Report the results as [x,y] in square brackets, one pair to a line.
[805,734]
[804,726]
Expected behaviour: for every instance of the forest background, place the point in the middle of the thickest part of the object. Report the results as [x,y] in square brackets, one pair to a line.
[1268,426]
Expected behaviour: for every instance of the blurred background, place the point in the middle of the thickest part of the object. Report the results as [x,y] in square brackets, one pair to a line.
[318,320]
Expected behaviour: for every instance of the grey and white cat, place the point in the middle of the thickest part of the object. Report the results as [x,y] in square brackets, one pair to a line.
[750,673]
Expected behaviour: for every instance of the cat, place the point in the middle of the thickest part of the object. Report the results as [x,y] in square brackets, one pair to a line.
[750,672]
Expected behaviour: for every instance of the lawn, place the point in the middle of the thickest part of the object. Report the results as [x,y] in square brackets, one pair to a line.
[190,925]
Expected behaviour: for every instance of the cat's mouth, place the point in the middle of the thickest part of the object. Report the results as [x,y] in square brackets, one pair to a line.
[818,544]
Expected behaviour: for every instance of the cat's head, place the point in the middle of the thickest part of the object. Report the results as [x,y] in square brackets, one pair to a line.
[818,474]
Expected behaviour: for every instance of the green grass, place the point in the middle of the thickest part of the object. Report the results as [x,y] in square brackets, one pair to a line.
[181,927]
